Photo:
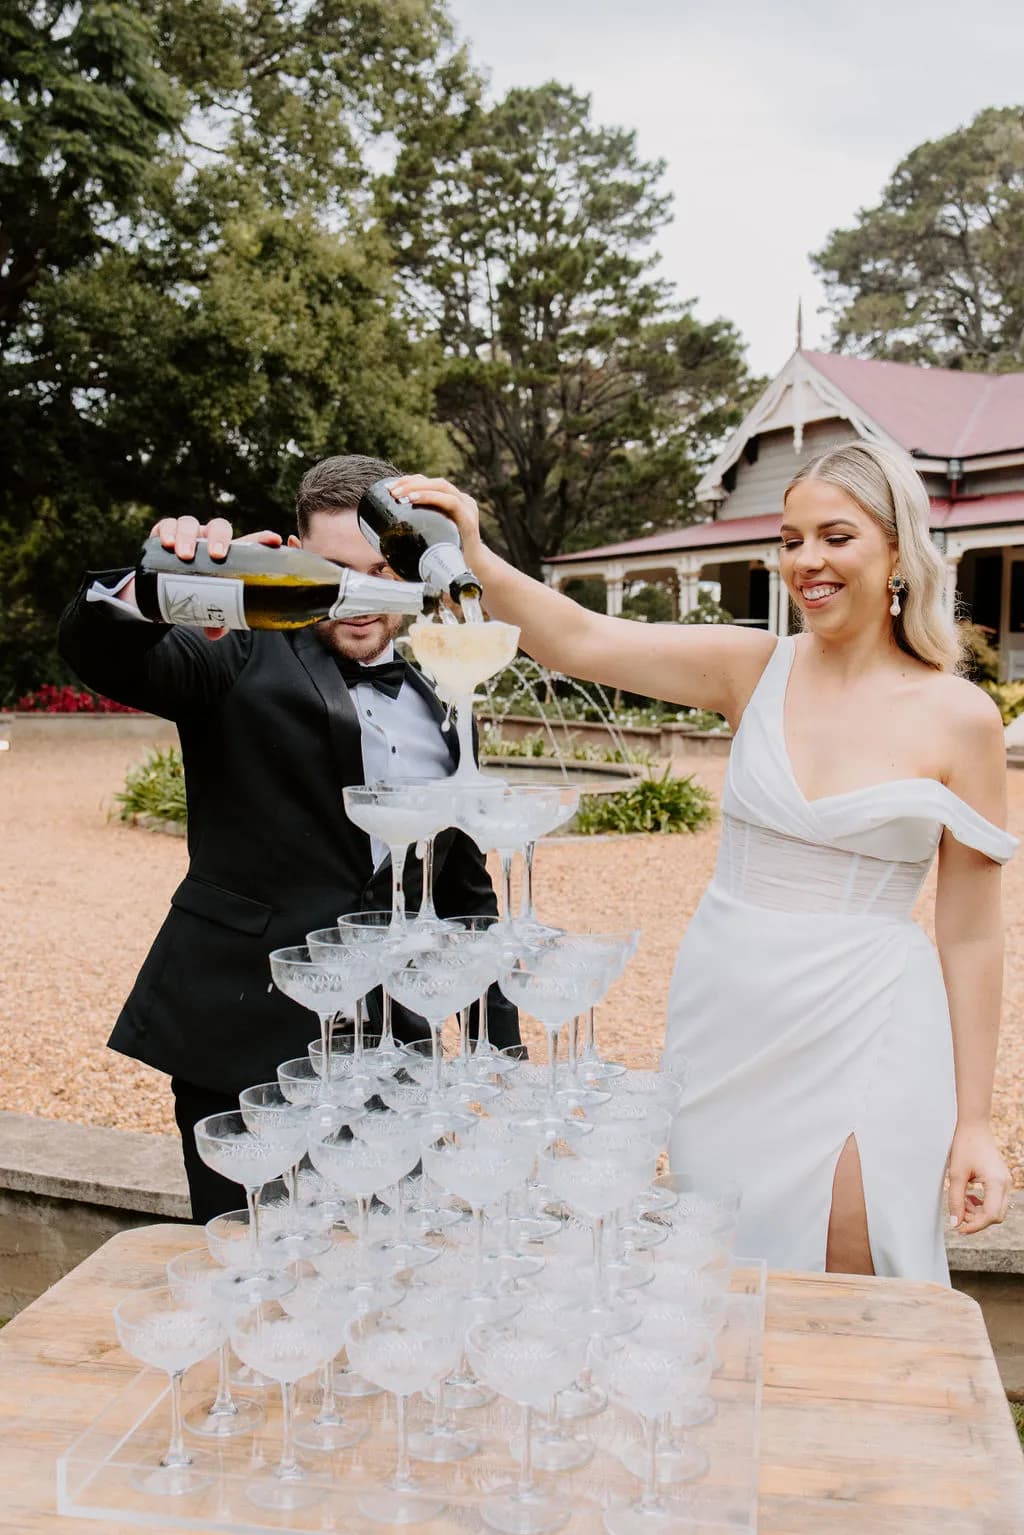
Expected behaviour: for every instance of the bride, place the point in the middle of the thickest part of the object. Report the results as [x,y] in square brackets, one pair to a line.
[837,1063]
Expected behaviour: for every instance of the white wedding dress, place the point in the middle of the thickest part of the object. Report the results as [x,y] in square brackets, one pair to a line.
[810,1007]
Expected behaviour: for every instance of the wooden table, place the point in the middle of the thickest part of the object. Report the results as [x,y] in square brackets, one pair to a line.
[883,1410]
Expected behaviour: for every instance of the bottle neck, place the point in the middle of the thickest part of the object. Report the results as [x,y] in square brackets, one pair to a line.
[360,596]
[443,567]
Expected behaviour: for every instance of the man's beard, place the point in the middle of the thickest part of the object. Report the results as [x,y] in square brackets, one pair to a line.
[335,636]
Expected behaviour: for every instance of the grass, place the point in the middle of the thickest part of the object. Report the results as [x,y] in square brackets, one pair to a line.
[1017,1413]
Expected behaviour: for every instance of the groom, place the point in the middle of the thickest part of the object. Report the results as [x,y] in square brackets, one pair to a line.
[272,726]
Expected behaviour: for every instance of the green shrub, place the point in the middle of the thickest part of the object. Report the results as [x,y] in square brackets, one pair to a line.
[707,611]
[661,804]
[1009,696]
[156,787]
[981,658]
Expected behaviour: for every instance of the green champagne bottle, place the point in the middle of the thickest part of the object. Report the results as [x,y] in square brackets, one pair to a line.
[419,542]
[257,587]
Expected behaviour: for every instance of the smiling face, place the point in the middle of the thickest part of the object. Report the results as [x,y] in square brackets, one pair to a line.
[835,560]
[336,536]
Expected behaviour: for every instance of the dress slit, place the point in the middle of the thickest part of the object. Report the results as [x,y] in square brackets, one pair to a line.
[850,1142]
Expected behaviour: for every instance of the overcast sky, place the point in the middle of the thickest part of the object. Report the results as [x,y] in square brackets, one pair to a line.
[778,119]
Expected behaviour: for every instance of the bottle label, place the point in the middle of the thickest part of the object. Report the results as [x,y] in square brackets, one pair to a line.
[204,602]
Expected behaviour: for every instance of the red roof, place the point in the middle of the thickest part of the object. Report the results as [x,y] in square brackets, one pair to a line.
[978,511]
[938,412]
[729,530]
[972,511]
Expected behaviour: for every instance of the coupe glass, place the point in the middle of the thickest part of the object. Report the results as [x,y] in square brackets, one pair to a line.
[479,1169]
[553,1449]
[700,1203]
[613,951]
[503,818]
[362,1165]
[400,816]
[191,1276]
[225,1144]
[439,982]
[408,1131]
[596,1176]
[633,1114]
[426,920]
[357,1068]
[325,989]
[356,963]
[526,923]
[438,1307]
[285,1348]
[648,1373]
[694,1303]
[269,1113]
[374,928]
[332,1306]
[156,1327]
[401,1357]
[528,1363]
[554,994]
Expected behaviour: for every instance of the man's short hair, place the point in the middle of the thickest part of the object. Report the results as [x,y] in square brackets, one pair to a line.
[336,484]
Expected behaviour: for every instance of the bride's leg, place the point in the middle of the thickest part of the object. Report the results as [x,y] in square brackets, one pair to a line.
[848,1250]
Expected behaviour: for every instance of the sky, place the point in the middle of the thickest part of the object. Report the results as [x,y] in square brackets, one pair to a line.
[778,120]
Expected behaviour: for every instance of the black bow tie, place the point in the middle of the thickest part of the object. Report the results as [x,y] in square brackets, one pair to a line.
[386,678]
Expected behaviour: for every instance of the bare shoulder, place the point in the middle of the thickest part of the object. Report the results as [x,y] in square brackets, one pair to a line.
[974,747]
[965,707]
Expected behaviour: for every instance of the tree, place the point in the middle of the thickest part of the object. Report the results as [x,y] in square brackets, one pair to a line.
[581,397]
[935,273]
[194,303]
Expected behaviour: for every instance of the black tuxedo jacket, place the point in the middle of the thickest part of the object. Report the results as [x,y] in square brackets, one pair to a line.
[269,737]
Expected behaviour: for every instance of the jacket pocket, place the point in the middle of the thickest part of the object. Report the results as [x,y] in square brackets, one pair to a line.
[225,907]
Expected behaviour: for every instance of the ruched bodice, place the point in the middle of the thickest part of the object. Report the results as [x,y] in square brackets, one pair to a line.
[811,1009]
[780,873]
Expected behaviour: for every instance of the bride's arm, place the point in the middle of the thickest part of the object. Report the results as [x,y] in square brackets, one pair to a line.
[705,666]
[969,936]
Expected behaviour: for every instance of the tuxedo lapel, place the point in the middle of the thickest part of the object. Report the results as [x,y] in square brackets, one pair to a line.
[342,719]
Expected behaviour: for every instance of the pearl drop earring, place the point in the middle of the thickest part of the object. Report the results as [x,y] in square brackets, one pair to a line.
[896,585]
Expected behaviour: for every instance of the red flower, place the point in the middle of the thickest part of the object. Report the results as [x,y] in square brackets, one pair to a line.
[66,699]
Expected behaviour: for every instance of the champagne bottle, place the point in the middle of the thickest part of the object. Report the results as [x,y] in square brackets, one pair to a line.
[257,587]
[418,542]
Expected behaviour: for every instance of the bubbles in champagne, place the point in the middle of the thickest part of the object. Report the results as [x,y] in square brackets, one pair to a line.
[460,657]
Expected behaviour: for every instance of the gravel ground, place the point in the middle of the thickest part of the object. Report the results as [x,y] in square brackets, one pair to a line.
[83,896]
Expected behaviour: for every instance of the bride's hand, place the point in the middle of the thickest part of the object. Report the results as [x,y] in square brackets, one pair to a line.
[447,498]
[974,1158]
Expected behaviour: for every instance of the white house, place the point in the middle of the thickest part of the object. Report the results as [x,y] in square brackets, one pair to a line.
[966,432]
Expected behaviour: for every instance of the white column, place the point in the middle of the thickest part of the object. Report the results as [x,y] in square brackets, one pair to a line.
[952,567]
[614,578]
[688,579]
[771,565]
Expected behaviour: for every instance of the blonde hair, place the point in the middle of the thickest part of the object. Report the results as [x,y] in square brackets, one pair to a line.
[885,484]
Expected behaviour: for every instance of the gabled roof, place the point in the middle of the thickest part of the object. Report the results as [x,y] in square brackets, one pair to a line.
[937,412]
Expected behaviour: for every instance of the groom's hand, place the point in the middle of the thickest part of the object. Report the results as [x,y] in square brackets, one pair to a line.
[183,533]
